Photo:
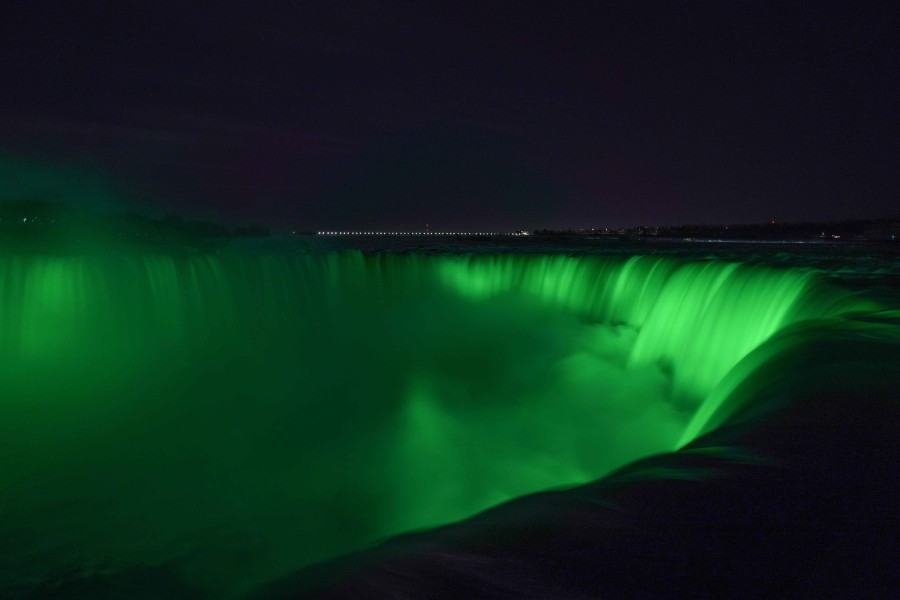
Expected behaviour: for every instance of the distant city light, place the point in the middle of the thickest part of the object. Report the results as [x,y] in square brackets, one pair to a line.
[426,233]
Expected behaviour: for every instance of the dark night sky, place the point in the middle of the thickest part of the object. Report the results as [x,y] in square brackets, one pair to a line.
[364,114]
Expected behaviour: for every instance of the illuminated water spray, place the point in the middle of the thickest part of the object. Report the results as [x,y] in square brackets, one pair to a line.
[268,411]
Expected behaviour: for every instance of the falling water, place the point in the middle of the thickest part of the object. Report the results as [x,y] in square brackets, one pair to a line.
[239,415]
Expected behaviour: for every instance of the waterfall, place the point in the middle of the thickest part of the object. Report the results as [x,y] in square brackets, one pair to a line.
[305,405]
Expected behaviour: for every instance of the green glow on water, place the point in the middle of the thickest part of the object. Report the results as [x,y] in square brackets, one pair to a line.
[246,414]
[699,318]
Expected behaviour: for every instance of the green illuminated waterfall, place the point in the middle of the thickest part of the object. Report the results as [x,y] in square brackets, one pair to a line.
[244,414]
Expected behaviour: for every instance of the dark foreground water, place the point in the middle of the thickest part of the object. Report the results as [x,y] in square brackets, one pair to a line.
[207,425]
